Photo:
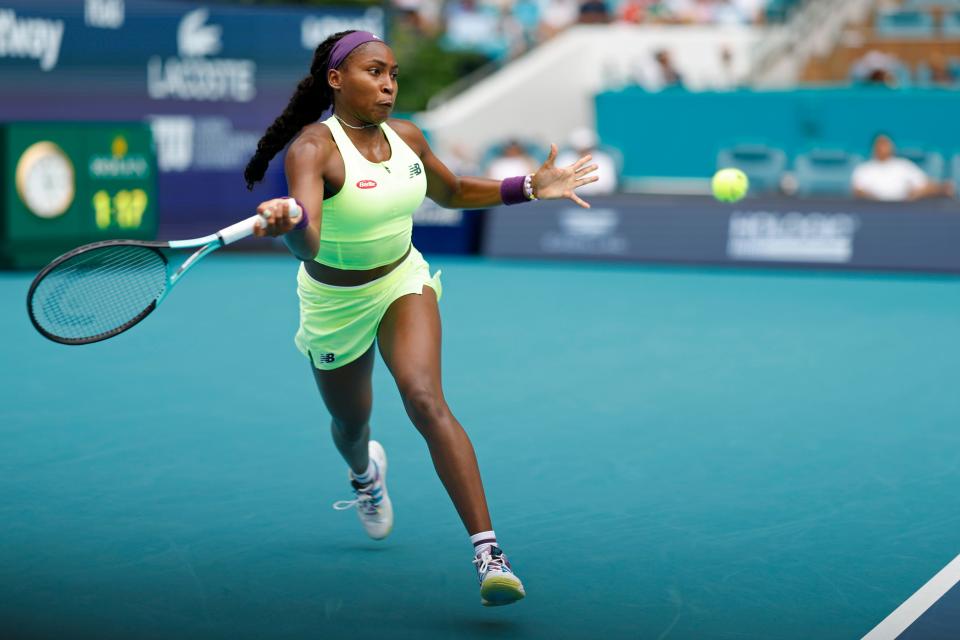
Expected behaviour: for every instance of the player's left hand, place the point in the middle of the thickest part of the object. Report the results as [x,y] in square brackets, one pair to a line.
[551,182]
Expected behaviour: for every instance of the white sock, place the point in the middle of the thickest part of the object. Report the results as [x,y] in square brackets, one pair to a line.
[483,541]
[367,476]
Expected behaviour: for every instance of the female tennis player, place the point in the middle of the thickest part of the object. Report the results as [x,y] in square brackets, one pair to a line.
[358,177]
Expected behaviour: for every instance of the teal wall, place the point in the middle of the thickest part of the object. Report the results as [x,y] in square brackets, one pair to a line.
[675,133]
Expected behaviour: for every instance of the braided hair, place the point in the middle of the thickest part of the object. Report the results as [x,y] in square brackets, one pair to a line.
[311,98]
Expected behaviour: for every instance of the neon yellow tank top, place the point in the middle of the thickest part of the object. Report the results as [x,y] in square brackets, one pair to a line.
[369,222]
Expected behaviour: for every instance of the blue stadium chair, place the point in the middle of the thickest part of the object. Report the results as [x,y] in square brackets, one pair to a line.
[777,10]
[825,172]
[924,77]
[930,161]
[904,79]
[763,165]
[905,24]
[951,24]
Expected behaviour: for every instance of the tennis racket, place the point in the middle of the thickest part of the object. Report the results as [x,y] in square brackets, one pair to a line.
[100,290]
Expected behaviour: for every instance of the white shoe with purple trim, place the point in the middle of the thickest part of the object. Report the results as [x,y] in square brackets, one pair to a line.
[372,500]
[498,584]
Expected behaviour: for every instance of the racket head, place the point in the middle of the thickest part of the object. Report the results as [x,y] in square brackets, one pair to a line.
[97,291]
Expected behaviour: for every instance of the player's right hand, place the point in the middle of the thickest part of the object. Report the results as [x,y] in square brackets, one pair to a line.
[278,215]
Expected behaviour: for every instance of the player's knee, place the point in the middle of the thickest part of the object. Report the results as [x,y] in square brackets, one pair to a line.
[425,406]
[350,428]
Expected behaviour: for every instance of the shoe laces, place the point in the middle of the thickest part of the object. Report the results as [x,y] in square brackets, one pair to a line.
[367,500]
[491,561]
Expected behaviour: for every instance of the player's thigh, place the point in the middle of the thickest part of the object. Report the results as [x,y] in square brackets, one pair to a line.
[409,337]
[347,391]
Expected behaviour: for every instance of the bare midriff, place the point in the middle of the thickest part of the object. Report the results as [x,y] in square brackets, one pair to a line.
[349,277]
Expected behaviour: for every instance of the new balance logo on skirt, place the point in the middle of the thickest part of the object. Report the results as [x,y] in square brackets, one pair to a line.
[326,358]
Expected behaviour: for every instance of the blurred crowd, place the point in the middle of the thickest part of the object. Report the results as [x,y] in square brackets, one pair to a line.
[880,69]
[503,29]
[922,32]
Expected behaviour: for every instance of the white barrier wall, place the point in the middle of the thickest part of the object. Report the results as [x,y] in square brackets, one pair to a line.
[549,92]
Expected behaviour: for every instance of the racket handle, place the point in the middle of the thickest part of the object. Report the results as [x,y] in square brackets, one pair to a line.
[245,228]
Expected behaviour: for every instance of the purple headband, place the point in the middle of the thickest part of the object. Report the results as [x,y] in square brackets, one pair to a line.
[347,44]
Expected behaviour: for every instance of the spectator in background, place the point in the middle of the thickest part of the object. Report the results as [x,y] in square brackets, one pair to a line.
[665,74]
[891,179]
[527,15]
[594,12]
[727,78]
[727,12]
[753,10]
[639,11]
[877,68]
[472,27]
[511,30]
[941,73]
[698,11]
[582,142]
[709,11]
[512,161]
[557,16]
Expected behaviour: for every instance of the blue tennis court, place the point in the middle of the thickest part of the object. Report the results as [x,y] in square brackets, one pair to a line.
[668,453]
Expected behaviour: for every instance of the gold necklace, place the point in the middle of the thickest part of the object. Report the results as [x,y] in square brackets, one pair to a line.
[346,124]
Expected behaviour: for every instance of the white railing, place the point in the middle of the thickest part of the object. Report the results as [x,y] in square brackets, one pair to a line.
[814,29]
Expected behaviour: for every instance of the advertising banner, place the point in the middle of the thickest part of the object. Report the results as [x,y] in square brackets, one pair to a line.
[208,78]
[846,234]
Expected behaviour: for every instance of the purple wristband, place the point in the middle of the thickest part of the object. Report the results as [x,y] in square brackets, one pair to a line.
[304,219]
[511,190]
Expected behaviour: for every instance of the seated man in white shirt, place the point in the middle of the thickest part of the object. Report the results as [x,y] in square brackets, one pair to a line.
[891,179]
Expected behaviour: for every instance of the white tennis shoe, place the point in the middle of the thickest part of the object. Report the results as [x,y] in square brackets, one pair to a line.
[371,500]
[498,584]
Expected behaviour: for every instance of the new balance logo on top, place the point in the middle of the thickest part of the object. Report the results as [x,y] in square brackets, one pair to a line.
[415,170]
[325,358]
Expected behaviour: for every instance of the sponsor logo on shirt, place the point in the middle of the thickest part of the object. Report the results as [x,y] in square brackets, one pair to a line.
[366,184]
[415,170]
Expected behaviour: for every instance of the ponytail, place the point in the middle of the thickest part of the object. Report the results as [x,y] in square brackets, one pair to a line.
[311,98]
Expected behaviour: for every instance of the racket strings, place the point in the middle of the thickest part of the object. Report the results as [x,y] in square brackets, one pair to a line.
[98,291]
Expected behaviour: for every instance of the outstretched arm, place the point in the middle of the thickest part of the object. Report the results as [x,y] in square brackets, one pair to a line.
[454,192]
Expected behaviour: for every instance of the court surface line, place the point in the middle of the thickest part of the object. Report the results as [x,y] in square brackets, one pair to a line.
[914,607]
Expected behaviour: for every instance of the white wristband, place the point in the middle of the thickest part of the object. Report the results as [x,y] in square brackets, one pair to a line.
[528,187]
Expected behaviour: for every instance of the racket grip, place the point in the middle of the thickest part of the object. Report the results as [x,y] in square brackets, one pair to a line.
[245,228]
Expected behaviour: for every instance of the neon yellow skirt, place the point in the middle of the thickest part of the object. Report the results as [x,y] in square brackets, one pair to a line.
[338,324]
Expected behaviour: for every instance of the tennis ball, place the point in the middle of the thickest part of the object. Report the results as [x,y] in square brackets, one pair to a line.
[729,185]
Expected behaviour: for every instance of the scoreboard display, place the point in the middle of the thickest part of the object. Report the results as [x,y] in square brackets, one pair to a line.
[66,184]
